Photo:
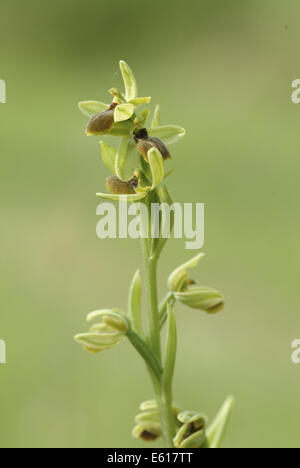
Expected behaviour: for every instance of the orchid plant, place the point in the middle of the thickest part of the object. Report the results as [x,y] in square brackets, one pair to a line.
[138,175]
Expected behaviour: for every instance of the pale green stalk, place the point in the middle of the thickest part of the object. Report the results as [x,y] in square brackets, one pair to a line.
[163,393]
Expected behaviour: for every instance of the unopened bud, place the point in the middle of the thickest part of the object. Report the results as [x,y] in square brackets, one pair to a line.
[192,433]
[198,420]
[101,123]
[144,143]
[201,298]
[116,186]
[116,323]
[179,280]
[107,333]
[147,431]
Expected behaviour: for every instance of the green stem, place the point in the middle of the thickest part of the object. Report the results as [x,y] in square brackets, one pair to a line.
[163,394]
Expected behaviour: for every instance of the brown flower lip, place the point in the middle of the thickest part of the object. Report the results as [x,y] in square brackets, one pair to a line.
[144,143]
[116,186]
[102,122]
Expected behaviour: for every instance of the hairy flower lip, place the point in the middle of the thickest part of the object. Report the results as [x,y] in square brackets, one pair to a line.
[144,143]
[115,185]
[102,122]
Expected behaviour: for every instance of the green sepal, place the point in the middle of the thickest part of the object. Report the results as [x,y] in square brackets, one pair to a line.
[157,166]
[129,81]
[156,117]
[91,108]
[109,155]
[123,198]
[168,133]
[127,160]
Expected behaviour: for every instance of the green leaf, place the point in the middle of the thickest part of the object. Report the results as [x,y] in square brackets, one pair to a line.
[129,81]
[216,431]
[127,160]
[123,112]
[109,154]
[125,198]
[134,306]
[156,117]
[171,349]
[91,108]
[157,166]
[141,100]
[168,133]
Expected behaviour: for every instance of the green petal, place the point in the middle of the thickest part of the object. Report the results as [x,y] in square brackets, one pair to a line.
[168,133]
[109,154]
[91,108]
[123,112]
[141,100]
[156,117]
[129,81]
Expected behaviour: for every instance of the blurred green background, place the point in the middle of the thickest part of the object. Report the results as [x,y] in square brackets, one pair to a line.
[222,69]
